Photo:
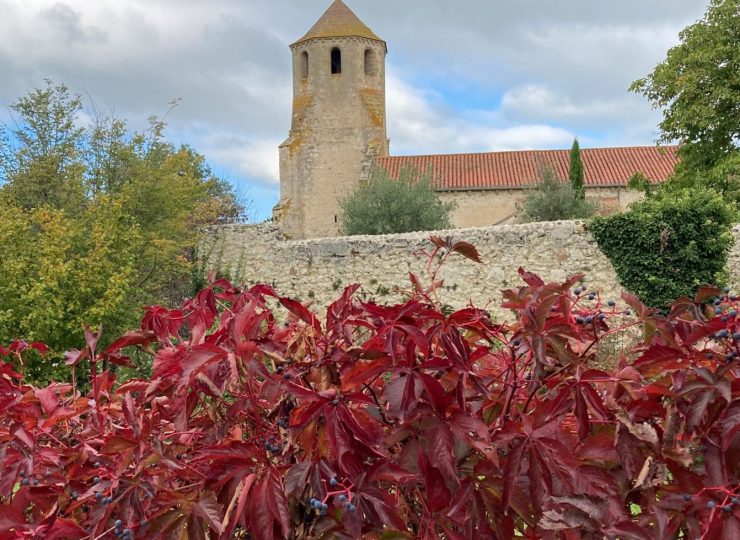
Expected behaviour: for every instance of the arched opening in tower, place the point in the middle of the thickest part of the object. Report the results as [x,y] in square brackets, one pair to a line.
[371,65]
[304,65]
[336,61]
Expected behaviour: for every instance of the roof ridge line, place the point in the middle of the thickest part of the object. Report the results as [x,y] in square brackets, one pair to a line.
[657,147]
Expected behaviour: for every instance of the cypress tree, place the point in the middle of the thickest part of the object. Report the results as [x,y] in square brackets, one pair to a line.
[575,171]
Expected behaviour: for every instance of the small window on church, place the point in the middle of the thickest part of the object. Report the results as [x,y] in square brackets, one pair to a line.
[336,61]
[304,65]
[371,65]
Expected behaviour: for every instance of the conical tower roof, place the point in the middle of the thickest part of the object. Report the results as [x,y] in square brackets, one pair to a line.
[339,21]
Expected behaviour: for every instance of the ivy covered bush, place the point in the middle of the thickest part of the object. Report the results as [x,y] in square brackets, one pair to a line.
[384,422]
[669,244]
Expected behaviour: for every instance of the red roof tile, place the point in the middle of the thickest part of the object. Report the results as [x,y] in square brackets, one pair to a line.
[501,170]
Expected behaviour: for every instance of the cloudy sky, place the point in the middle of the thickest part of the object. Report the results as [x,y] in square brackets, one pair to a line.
[464,75]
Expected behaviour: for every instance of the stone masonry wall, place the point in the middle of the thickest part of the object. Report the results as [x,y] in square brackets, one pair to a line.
[489,207]
[318,270]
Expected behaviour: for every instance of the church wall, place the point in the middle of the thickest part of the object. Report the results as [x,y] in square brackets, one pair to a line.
[482,208]
[317,270]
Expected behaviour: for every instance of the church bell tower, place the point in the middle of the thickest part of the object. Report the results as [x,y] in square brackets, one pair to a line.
[338,125]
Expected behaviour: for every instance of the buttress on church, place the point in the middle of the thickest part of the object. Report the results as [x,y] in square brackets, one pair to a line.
[338,135]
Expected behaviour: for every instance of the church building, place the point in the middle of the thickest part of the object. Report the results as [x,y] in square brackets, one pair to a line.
[338,135]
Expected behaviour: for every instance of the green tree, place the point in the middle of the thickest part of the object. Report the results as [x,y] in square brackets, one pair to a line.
[698,88]
[97,221]
[43,166]
[575,171]
[388,206]
[553,200]
[59,273]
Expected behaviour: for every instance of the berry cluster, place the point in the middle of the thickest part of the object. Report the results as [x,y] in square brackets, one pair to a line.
[340,491]
[125,534]
[589,315]
[273,445]
[727,309]
[730,500]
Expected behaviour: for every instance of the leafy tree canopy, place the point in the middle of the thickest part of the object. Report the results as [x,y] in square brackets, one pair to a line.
[388,206]
[553,200]
[97,220]
[698,88]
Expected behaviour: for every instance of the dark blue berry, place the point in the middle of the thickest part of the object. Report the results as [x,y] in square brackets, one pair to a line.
[727,508]
[286,376]
[34,482]
[726,290]
[96,480]
[579,320]
[591,296]
[333,482]
[611,303]
[351,507]
[733,313]
[735,500]
[711,504]
[686,497]
[98,496]
[118,524]
[335,402]
[577,290]
[589,320]
[717,302]
[601,316]
[627,312]
[25,481]
[342,498]
[322,512]
[516,343]
[736,336]
[313,500]
[722,334]
[75,494]
[22,474]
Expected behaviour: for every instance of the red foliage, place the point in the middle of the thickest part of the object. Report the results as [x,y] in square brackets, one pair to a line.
[385,422]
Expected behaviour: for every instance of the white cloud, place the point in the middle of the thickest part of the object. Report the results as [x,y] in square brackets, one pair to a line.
[258,159]
[420,122]
[535,100]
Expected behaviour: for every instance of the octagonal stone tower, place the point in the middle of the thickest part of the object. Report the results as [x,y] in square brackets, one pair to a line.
[338,125]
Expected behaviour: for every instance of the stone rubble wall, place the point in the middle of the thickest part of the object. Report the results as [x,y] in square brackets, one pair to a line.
[318,270]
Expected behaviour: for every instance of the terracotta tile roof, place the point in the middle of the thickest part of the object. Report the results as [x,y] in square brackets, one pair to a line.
[338,21]
[501,170]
